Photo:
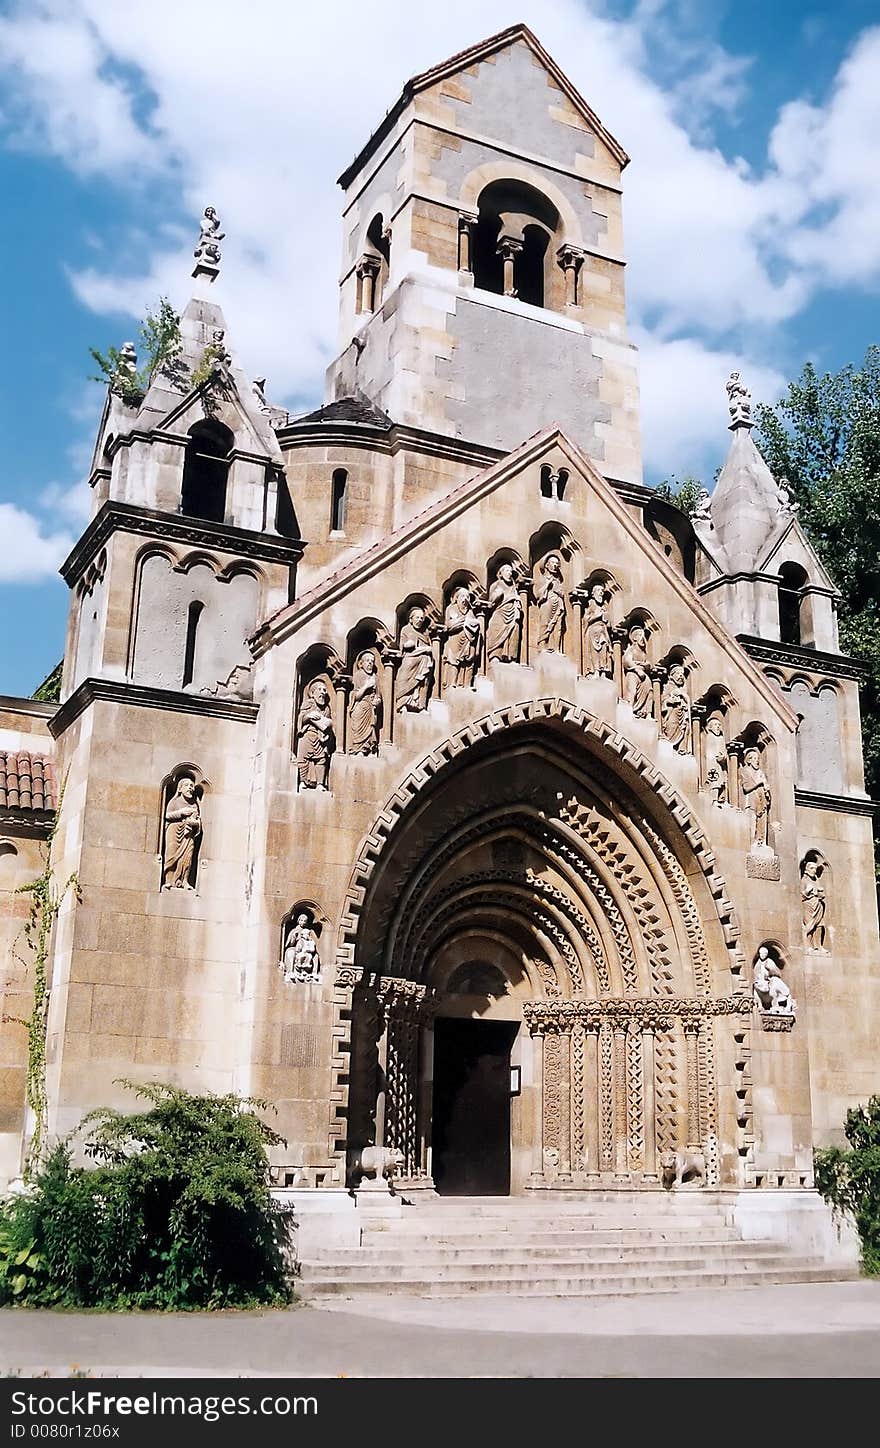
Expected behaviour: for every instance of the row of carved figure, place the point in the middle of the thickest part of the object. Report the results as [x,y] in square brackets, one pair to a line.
[182,836]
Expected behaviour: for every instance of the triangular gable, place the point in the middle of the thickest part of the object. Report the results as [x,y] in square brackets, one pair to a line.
[380,556]
[472,56]
[804,553]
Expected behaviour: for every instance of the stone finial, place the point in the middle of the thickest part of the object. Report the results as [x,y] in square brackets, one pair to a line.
[128,359]
[739,400]
[701,512]
[207,252]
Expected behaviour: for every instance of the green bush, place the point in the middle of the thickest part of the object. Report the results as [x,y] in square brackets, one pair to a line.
[176,1213]
[850,1179]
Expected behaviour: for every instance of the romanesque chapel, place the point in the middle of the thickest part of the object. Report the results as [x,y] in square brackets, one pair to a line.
[426,774]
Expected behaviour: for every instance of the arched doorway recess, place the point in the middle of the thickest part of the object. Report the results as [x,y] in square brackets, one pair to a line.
[541,888]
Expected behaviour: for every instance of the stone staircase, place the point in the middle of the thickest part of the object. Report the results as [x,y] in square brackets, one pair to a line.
[610,1245]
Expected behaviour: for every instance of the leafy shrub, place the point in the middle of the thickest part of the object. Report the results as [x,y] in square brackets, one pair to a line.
[850,1179]
[175,1214]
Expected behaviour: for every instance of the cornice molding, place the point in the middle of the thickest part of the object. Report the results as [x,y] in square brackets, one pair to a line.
[145,697]
[839,803]
[116,517]
[30,824]
[795,656]
[11,704]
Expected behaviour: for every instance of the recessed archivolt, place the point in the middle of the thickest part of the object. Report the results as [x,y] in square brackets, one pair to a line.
[530,711]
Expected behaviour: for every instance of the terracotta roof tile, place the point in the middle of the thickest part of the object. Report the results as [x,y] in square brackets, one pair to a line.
[27,781]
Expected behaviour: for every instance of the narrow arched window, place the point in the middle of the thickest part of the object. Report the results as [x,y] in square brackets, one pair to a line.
[512,252]
[193,614]
[206,470]
[546,481]
[337,501]
[791,583]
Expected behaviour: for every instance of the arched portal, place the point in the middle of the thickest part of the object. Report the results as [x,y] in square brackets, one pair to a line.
[546,986]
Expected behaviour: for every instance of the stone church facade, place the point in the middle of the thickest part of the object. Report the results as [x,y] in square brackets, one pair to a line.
[425,774]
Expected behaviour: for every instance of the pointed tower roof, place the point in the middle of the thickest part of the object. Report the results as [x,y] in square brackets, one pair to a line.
[748,507]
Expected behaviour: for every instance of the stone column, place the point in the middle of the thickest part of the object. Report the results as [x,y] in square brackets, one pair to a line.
[691,1031]
[698,714]
[578,599]
[467,221]
[650,1164]
[635,1099]
[734,754]
[367,269]
[621,1156]
[657,675]
[618,642]
[570,259]
[390,663]
[524,586]
[509,248]
[592,1095]
[606,1099]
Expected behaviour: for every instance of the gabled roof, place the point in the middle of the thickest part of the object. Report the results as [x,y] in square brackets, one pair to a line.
[472,56]
[383,554]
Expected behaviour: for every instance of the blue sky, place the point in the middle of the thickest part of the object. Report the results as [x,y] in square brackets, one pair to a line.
[752,207]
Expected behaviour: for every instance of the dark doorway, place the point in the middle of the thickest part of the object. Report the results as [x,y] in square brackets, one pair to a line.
[471,1111]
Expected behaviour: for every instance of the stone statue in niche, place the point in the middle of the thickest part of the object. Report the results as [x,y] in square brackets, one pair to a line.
[716,762]
[462,646]
[757,796]
[300,960]
[675,710]
[365,706]
[637,688]
[315,738]
[599,657]
[813,897]
[181,835]
[550,598]
[505,617]
[416,673]
[771,992]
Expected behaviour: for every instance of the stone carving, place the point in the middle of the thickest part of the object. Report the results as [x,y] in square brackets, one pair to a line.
[598,655]
[259,386]
[374,1165]
[678,1167]
[182,832]
[416,673]
[771,992]
[814,903]
[505,617]
[739,400]
[701,512]
[300,960]
[757,797]
[550,597]
[715,758]
[207,252]
[365,707]
[786,499]
[315,737]
[637,686]
[675,710]
[461,649]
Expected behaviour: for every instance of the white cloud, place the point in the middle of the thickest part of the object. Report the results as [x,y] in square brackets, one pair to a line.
[684,404]
[257,108]
[28,554]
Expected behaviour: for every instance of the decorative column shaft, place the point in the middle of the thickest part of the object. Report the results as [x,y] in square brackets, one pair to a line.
[606,1097]
[509,248]
[621,1164]
[570,259]
[367,270]
[691,1029]
[650,1161]
[467,221]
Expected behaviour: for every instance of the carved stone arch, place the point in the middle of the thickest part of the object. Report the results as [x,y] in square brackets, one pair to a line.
[198,559]
[476,182]
[552,537]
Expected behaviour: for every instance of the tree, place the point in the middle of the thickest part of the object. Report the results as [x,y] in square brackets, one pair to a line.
[681,493]
[850,1178]
[160,345]
[823,437]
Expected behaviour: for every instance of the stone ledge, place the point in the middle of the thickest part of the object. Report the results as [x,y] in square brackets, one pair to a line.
[838,666]
[126,518]
[91,690]
[841,803]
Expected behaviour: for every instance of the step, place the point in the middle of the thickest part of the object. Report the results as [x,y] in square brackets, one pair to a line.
[526,1232]
[427,1257]
[535,1245]
[569,1267]
[607,1285]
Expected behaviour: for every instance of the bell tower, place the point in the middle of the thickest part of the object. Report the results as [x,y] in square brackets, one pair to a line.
[482,293]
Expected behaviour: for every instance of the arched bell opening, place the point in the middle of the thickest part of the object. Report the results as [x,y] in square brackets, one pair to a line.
[617,979]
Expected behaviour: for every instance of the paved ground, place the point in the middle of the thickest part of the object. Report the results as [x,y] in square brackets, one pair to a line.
[821,1330]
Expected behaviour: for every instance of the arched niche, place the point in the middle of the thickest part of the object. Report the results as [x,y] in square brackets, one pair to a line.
[203,492]
[181,827]
[515,239]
